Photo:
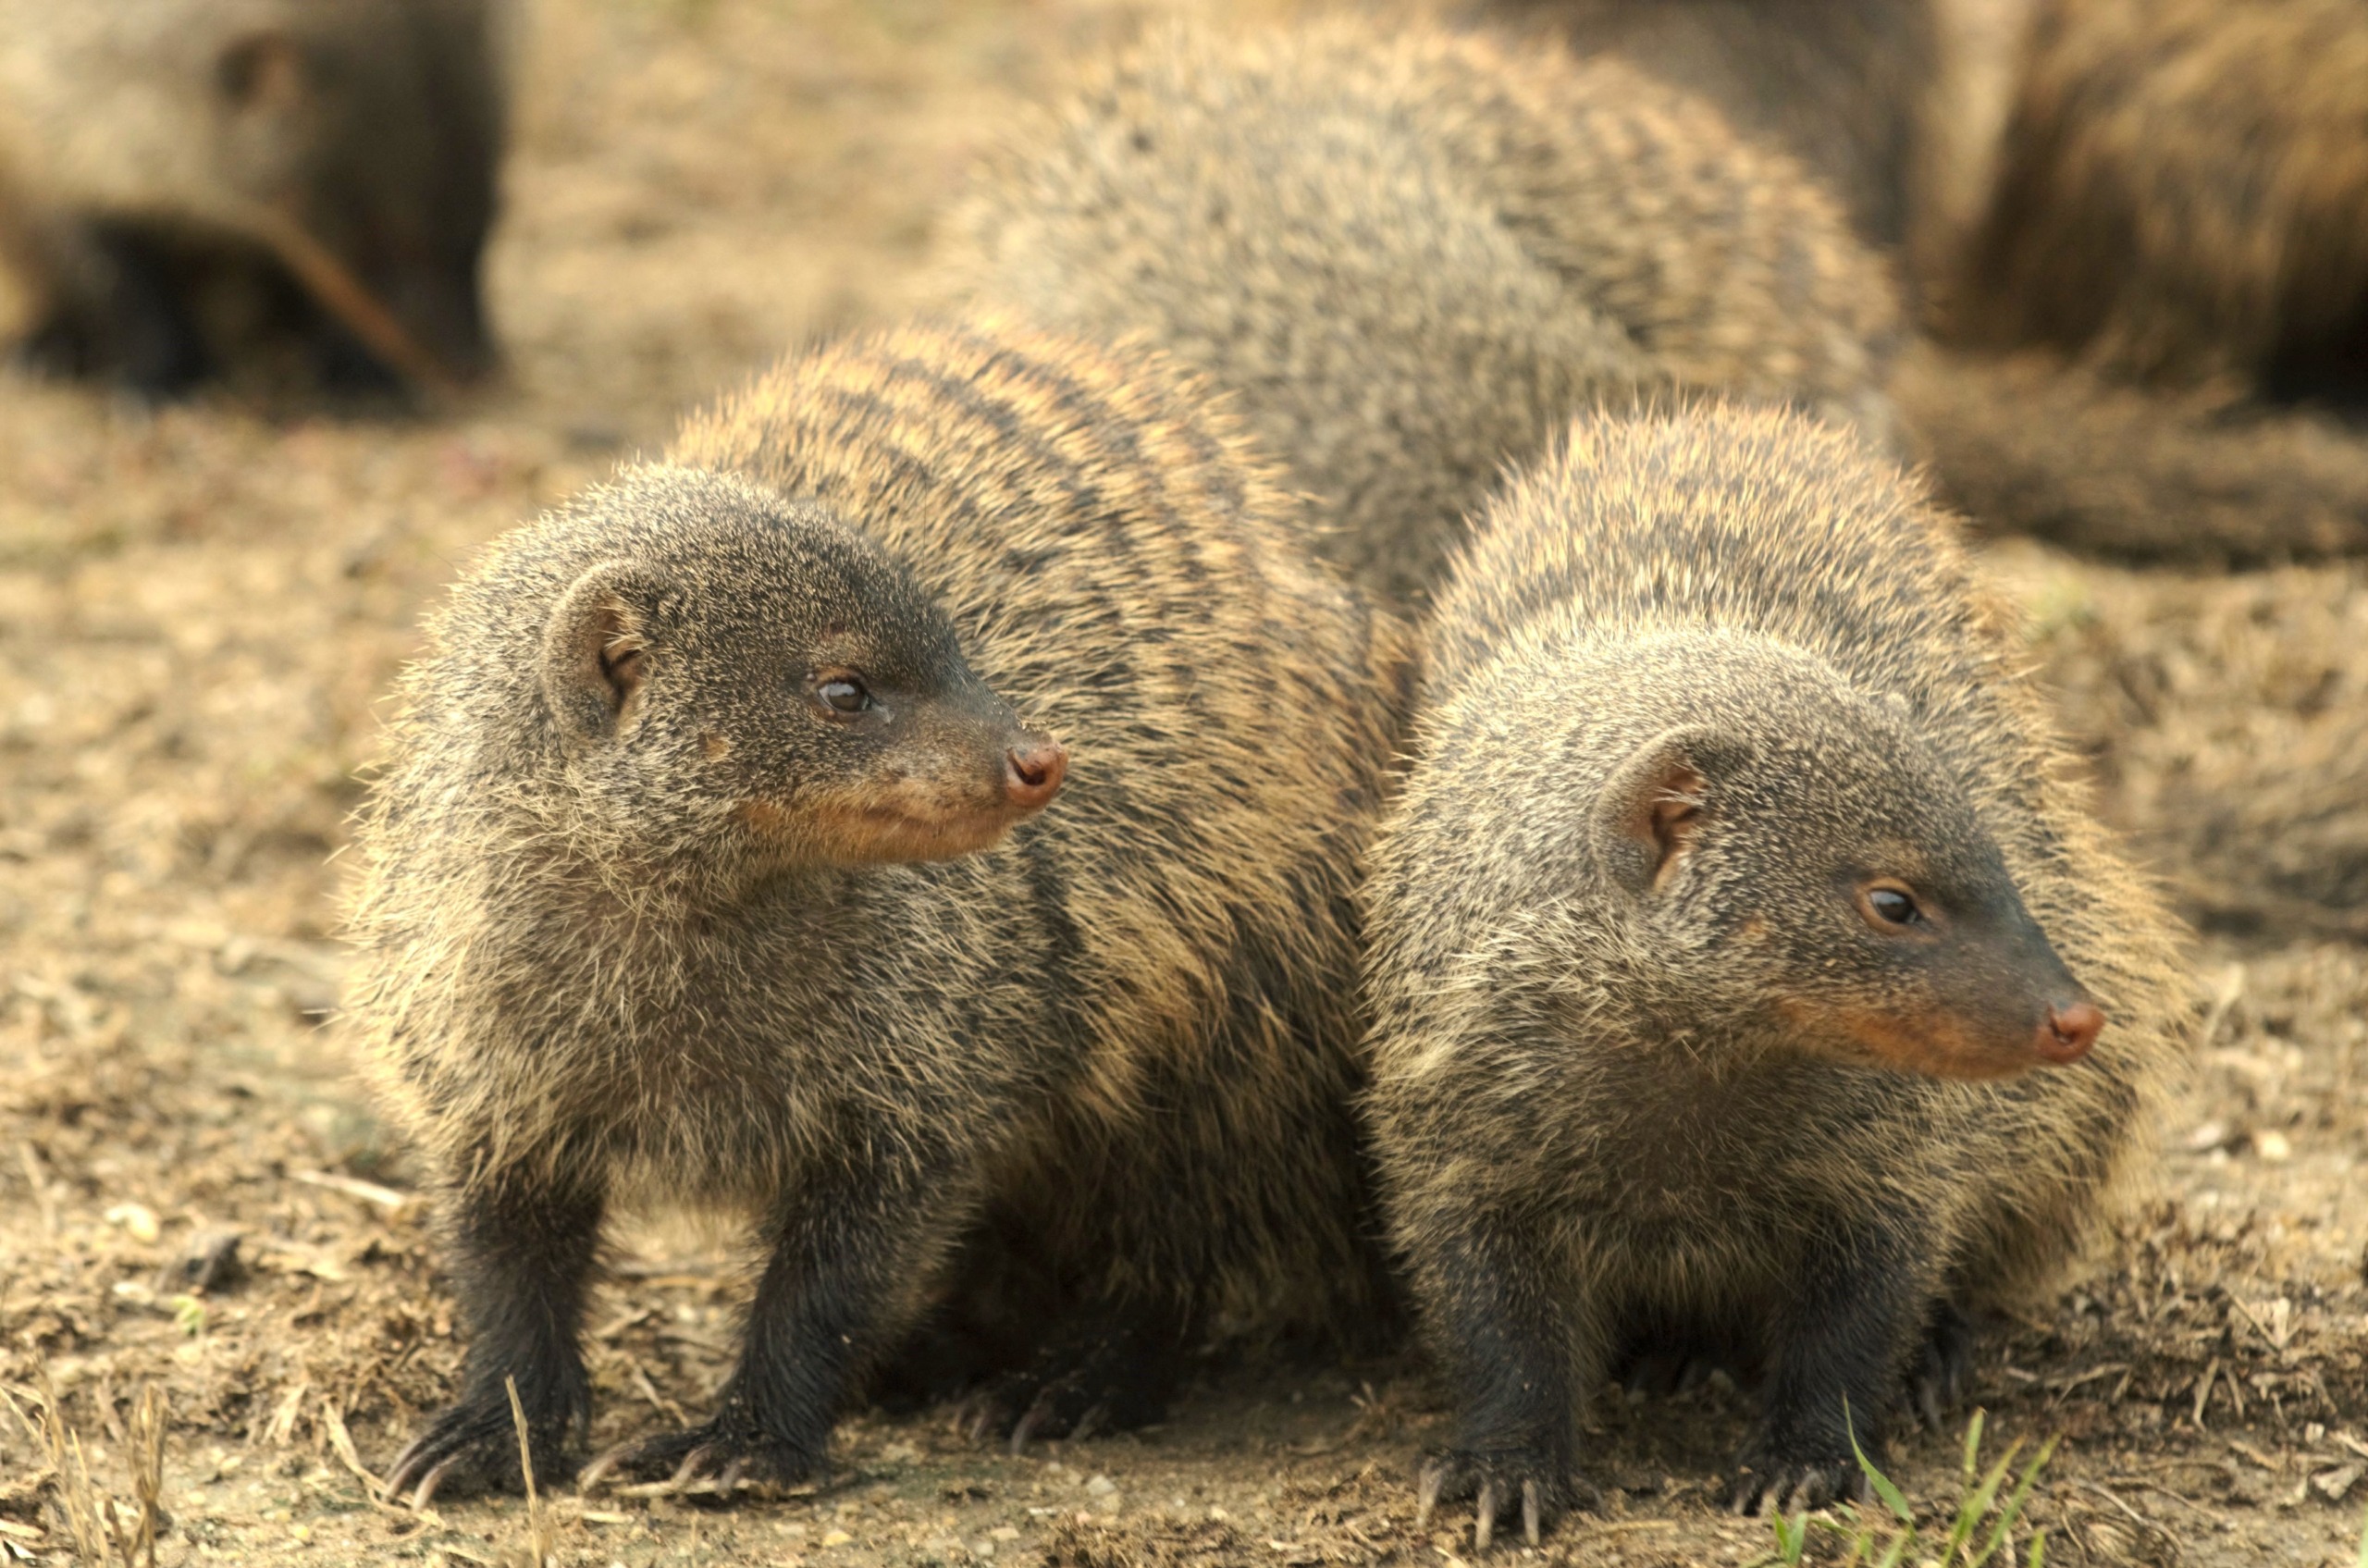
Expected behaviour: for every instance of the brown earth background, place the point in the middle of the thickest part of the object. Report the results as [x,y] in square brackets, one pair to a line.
[200,609]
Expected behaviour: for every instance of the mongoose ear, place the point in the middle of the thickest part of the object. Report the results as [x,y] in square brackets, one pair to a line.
[1651,808]
[263,73]
[596,649]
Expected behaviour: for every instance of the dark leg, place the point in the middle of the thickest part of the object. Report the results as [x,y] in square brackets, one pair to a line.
[1502,1337]
[121,315]
[1835,1359]
[521,1250]
[836,1292]
[1946,1366]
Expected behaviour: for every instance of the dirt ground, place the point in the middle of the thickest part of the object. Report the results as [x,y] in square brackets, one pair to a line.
[205,605]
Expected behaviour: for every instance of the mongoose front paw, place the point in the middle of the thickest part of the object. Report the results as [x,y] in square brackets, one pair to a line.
[473,1447]
[1500,1480]
[716,1457]
[1786,1478]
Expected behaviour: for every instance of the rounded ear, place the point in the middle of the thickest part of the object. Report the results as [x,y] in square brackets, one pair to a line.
[263,72]
[1652,807]
[596,649]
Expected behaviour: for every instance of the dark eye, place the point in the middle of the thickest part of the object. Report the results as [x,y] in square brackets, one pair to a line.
[846,696]
[1891,904]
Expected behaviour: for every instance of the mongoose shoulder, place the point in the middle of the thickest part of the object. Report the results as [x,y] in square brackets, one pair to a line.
[658,894]
[1411,256]
[188,188]
[1735,884]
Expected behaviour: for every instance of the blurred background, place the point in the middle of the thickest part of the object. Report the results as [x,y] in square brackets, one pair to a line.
[204,599]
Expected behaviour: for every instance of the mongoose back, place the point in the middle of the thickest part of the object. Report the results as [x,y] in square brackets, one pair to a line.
[188,186]
[1843,84]
[1735,889]
[658,894]
[1410,257]
[2179,220]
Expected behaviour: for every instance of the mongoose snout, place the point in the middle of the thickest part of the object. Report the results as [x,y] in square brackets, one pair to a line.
[2070,1032]
[1033,772]
[1980,992]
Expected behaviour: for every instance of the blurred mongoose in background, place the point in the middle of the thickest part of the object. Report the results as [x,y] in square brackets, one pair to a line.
[1747,973]
[1410,257]
[189,186]
[708,865]
[1844,86]
[2163,315]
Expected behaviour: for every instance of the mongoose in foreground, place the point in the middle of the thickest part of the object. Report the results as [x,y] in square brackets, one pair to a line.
[2179,220]
[1735,884]
[658,896]
[188,186]
[1411,257]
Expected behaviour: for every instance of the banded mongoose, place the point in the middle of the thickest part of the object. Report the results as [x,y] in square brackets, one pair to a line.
[1844,86]
[188,187]
[658,896]
[2178,229]
[1735,884]
[1411,256]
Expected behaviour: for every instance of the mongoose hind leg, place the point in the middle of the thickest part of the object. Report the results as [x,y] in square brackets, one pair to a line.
[833,1297]
[1496,1313]
[522,1249]
[1834,1359]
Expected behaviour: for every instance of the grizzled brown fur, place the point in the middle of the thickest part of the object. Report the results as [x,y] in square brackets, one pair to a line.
[706,944]
[263,189]
[2180,208]
[2031,442]
[1410,257]
[1736,883]
[1843,84]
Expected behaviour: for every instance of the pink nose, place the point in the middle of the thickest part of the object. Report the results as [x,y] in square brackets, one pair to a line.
[1032,773]
[2069,1032]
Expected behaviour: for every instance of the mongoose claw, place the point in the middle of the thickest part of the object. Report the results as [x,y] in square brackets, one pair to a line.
[1089,1381]
[711,1459]
[1780,1485]
[1497,1481]
[473,1447]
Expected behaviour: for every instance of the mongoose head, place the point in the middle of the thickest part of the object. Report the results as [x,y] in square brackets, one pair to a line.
[1808,868]
[749,681]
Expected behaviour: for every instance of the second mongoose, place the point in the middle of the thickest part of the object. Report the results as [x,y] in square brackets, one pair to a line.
[719,862]
[191,187]
[2160,324]
[1408,257]
[1749,979]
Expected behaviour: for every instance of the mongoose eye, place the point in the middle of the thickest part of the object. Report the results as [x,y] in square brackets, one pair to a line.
[1892,906]
[844,695]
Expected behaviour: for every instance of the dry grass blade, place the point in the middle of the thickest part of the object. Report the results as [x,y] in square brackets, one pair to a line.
[76,1499]
[134,1537]
[386,1198]
[538,1539]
